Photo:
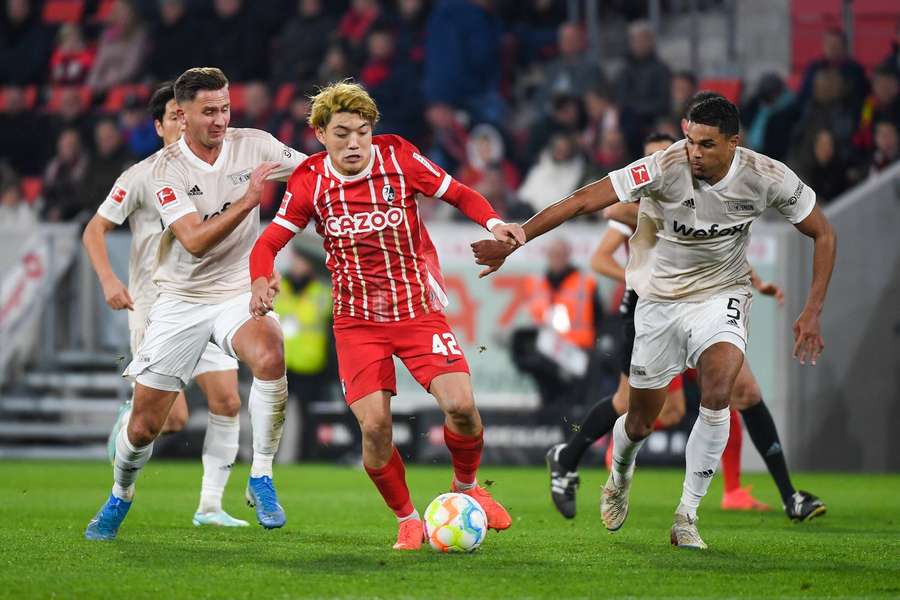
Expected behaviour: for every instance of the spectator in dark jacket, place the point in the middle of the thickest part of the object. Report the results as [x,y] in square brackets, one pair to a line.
[893,58]
[111,157]
[882,104]
[234,43]
[887,146]
[835,56]
[387,75]
[823,170]
[769,117]
[644,83]
[299,49]
[574,72]
[462,59]
[831,109]
[23,135]
[25,43]
[63,197]
[174,42]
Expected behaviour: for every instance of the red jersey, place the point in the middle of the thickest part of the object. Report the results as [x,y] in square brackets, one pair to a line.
[383,264]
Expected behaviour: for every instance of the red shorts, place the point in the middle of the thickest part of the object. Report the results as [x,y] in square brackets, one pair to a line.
[365,351]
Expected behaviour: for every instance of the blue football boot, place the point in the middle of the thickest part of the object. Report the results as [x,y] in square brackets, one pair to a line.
[261,494]
[105,524]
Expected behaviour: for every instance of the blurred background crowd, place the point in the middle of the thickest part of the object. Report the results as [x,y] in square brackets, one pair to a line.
[506,95]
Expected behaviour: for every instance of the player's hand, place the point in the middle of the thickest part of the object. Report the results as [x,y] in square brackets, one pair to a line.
[491,253]
[769,288]
[261,296]
[257,181]
[808,344]
[509,233]
[116,295]
[274,285]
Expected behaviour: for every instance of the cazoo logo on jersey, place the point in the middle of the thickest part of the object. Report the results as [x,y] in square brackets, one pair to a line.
[363,222]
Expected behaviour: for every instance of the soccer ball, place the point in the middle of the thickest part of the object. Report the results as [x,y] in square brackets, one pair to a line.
[455,523]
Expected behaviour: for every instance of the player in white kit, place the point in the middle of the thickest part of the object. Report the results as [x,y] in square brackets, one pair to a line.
[688,265]
[131,198]
[206,190]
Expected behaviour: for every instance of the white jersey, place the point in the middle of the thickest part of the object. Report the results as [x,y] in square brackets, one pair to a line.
[692,237]
[183,183]
[130,198]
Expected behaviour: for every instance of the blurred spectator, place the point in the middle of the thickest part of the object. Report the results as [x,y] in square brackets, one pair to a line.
[684,86]
[557,173]
[63,178]
[829,108]
[258,111]
[602,114]
[835,56]
[234,43]
[121,51]
[494,186]
[644,83]
[448,137]
[175,43]
[72,59]
[485,151]
[356,23]
[565,117]
[299,49]
[110,158]
[24,134]
[575,70]
[336,65]
[71,114]
[137,128]
[294,131]
[769,117]
[14,210]
[611,155]
[462,59]
[893,58]
[536,26]
[25,43]
[387,78]
[409,34]
[882,104]
[887,146]
[823,170]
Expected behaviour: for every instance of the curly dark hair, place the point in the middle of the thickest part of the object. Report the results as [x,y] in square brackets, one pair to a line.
[716,112]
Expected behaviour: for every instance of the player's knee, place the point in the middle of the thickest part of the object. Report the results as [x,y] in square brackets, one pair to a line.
[270,362]
[636,429]
[377,432]
[715,396]
[175,422]
[142,432]
[461,408]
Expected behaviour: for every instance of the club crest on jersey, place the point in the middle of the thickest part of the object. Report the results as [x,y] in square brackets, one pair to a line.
[639,175]
[387,193]
[166,197]
[240,177]
[363,222]
[117,195]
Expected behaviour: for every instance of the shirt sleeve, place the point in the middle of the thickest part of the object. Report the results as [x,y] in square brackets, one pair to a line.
[170,199]
[427,177]
[123,199]
[792,198]
[638,178]
[287,158]
[296,208]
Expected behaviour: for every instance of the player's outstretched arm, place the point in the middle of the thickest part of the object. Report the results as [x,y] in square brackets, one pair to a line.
[808,342]
[94,239]
[198,236]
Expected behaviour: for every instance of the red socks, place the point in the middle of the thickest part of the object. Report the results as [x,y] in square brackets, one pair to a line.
[465,452]
[391,483]
[731,457]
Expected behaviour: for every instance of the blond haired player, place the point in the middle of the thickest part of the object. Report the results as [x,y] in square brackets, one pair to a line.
[689,267]
[131,198]
[206,189]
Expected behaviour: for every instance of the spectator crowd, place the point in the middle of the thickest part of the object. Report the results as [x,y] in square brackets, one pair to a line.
[504,94]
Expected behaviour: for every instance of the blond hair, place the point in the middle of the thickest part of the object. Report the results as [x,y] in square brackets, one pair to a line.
[342,96]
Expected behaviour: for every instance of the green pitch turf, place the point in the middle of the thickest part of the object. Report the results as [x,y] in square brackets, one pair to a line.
[337,542]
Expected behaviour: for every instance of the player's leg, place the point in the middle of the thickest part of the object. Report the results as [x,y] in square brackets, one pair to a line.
[747,399]
[464,436]
[735,497]
[382,460]
[220,446]
[258,343]
[178,416]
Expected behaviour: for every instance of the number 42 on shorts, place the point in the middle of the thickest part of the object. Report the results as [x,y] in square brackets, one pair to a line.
[445,344]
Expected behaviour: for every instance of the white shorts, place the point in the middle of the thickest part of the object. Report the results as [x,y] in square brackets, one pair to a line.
[671,336]
[180,336]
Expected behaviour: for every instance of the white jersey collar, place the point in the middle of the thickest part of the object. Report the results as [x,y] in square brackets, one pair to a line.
[200,163]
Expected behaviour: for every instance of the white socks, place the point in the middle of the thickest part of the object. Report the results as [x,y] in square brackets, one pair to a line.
[266,405]
[220,448]
[704,449]
[624,452]
[128,464]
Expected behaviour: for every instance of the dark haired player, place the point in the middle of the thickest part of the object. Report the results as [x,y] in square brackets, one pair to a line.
[688,265]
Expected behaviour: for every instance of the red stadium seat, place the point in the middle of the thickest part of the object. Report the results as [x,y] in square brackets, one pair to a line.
[730,88]
[62,11]
[284,95]
[55,97]
[32,188]
[115,98]
[103,10]
[810,19]
[878,19]
[30,97]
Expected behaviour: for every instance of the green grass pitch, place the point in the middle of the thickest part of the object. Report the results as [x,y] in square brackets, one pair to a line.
[337,542]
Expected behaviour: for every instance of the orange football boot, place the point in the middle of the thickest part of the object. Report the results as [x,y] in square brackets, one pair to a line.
[410,536]
[741,499]
[497,517]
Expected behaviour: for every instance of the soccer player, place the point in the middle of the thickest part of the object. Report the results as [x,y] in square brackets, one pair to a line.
[131,198]
[387,286]
[206,189]
[688,265]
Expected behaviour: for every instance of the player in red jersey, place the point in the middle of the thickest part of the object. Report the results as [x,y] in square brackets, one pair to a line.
[387,287]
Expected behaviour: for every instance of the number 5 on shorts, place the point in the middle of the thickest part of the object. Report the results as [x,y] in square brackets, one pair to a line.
[438,346]
[733,304]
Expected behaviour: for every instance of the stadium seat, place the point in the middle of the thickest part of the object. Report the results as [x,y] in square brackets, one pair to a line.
[878,18]
[30,97]
[809,20]
[62,11]
[730,88]
[284,95]
[32,188]
[115,98]
[55,93]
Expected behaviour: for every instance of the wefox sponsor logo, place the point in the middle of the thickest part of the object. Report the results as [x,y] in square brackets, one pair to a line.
[363,222]
[713,231]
